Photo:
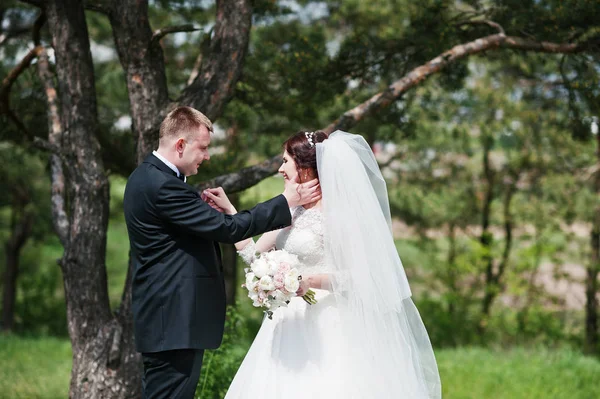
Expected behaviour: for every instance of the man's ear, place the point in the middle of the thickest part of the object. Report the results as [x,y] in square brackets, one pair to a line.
[180,145]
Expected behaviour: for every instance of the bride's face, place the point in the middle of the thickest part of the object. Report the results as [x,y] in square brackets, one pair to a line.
[288,168]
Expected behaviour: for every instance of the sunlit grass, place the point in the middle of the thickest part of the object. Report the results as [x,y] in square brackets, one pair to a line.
[40,368]
[34,367]
[520,373]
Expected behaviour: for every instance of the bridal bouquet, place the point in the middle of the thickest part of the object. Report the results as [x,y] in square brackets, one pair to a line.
[272,281]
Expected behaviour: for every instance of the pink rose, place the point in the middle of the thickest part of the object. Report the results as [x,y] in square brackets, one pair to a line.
[279,280]
[284,267]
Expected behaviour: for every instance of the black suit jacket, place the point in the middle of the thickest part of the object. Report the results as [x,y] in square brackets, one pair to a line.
[178,290]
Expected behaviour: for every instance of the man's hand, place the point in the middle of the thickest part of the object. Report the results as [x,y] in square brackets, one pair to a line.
[302,194]
[216,198]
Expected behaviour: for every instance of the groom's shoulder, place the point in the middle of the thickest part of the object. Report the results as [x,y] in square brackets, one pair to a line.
[147,175]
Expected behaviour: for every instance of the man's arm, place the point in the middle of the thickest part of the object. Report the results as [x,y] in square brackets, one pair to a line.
[184,209]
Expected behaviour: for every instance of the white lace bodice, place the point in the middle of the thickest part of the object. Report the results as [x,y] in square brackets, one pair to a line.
[303,238]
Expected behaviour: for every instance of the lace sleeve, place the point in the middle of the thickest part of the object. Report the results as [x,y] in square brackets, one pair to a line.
[248,253]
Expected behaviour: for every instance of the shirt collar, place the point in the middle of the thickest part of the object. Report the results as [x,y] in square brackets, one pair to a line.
[169,164]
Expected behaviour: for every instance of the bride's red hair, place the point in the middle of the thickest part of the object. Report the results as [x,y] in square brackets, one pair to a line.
[302,152]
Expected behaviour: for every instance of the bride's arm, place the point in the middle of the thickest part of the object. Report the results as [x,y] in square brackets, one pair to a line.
[264,243]
[247,249]
[319,281]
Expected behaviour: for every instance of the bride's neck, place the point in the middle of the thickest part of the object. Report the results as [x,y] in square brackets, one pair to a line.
[316,204]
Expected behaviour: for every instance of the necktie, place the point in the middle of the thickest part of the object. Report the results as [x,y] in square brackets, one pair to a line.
[181,177]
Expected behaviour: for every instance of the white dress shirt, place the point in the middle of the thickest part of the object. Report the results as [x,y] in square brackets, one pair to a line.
[169,164]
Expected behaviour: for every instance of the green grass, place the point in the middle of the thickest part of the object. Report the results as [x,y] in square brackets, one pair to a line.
[40,368]
[34,367]
[519,373]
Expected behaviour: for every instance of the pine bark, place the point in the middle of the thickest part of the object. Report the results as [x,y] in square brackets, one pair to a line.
[104,362]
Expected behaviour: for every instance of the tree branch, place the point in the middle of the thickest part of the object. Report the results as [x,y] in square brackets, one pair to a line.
[204,49]
[12,76]
[160,33]
[58,159]
[20,125]
[222,66]
[493,24]
[244,178]
[7,83]
[143,60]
[394,91]
[37,28]
[419,74]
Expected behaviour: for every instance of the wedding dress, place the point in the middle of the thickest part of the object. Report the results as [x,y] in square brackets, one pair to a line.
[364,338]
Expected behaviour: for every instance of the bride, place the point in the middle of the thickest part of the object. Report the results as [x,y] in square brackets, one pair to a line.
[364,338]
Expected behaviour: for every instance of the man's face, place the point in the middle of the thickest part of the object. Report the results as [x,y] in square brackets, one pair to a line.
[194,151]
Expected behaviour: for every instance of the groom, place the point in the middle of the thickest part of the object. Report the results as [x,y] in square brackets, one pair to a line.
[178,290]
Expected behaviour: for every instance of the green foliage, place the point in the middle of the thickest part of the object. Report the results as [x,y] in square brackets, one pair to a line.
[40,305]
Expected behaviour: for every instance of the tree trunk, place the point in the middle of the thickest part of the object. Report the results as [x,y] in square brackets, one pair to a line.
[452,272]
[21,223]
[532,291]
[143,61]
[104,365]
[494,279]
[591,285]
[486,238]
[222,67]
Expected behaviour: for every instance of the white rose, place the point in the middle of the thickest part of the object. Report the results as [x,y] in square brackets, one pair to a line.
[273,267]
[266,283]
[260,268]
[292,273]
[291,283]
[281,296]
[249,279]
[255,299]
[252,287]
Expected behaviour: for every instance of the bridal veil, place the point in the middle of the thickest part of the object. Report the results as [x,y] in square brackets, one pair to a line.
[384,337]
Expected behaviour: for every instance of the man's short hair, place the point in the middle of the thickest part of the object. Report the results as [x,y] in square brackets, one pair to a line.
[182,121]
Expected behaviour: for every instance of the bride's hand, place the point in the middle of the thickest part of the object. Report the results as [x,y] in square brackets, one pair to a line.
[304,287]
[218,198]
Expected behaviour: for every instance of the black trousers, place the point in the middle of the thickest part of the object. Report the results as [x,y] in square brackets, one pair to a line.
[171,374]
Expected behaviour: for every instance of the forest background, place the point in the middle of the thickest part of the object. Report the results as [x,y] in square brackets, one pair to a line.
[482,114]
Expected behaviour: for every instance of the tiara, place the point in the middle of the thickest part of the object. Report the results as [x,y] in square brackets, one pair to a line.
[309,137]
